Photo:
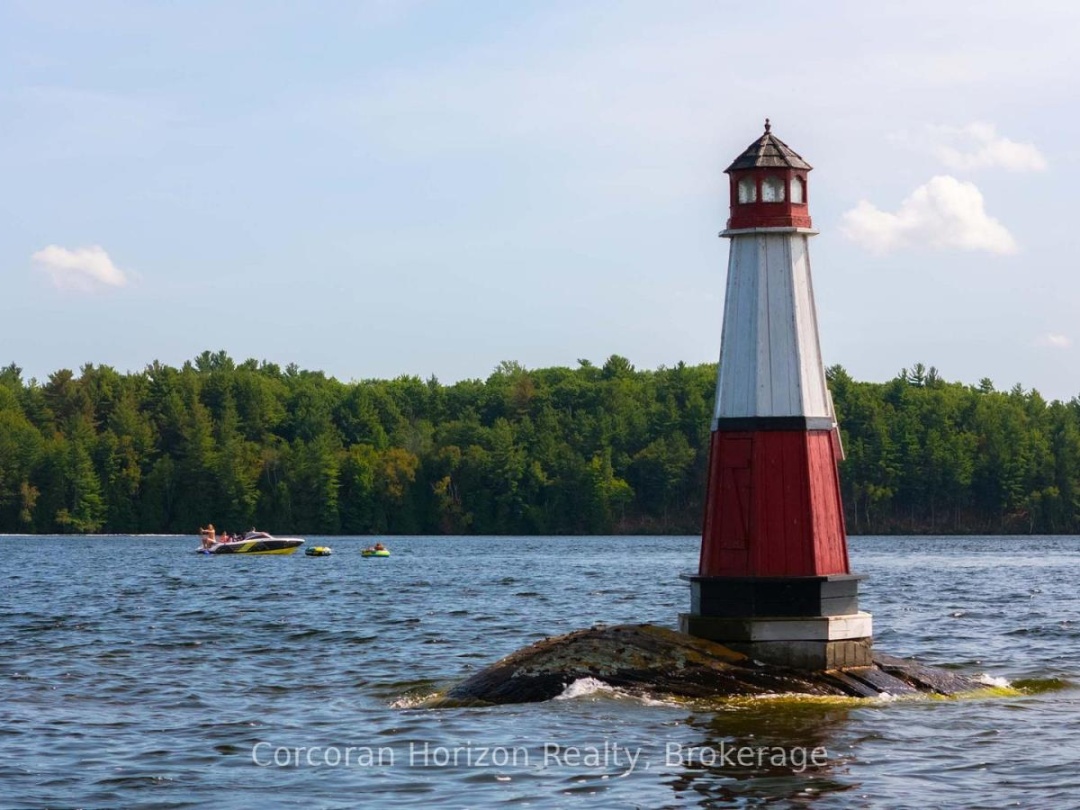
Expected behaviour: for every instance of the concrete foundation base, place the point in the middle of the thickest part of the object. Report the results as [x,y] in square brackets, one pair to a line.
[821,643]
[778,628]
[815,656]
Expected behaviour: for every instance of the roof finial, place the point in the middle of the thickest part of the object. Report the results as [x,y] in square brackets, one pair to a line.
[768,126]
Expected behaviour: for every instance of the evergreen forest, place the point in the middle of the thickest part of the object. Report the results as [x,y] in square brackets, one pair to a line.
[587,450]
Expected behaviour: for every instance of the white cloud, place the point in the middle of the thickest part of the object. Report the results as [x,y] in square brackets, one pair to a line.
[83,269]
[978,146]
[944,213]
[1052,340]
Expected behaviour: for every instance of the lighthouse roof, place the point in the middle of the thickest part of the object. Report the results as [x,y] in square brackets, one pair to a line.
[768,151]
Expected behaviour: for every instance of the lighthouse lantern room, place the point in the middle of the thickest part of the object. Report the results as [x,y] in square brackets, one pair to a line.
[773,578]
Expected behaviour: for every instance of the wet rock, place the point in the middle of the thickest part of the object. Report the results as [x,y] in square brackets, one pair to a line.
[644,659]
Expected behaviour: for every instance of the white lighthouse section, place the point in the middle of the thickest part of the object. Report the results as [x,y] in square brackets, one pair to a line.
[770,356]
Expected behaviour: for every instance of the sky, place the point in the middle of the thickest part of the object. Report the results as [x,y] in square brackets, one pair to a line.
[381,188]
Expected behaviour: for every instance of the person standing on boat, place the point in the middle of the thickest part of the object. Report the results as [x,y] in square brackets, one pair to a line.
[209,536]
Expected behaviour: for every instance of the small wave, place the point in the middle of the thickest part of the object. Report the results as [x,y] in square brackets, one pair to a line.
[587,687]
[137,781]
[413,701]
[1035,686]
[308,633]
[991,680]
[358,639]
[645,700]
[583,687]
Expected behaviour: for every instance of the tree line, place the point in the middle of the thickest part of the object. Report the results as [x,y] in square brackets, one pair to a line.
[584,450]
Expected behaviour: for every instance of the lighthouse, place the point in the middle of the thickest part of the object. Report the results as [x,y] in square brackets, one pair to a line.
[773,579]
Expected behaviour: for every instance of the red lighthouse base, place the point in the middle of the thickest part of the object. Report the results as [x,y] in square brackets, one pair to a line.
[774,581]
[774,506]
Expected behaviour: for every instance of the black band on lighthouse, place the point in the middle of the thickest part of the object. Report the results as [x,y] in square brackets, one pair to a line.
[734,423]
[833,595]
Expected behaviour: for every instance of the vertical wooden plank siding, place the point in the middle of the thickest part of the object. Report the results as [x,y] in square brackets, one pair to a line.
[774,505]
[815,392]
[779,366]
[729,511]
[830,531]
[738,347]
[769,521]
[770,358]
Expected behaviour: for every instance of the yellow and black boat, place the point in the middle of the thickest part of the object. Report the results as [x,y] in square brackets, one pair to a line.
[255,542]
[318,551]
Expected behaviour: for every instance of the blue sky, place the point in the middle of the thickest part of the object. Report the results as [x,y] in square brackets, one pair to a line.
[385,188]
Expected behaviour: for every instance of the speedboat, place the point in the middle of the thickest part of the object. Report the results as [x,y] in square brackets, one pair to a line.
[255,542]
[375,552]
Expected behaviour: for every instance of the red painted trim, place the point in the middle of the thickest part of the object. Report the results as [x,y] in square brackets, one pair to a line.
[773,506]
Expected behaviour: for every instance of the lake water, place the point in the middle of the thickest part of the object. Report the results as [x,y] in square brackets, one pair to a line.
[137,673]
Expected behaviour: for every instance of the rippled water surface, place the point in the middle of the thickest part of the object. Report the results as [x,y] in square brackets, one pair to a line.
[137,673]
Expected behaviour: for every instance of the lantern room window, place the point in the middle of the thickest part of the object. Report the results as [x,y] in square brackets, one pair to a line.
[747,190]
[772,190]
[797,192]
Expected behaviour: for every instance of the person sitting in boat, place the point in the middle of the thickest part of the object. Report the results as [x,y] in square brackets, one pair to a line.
[379,547]
[208,535]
